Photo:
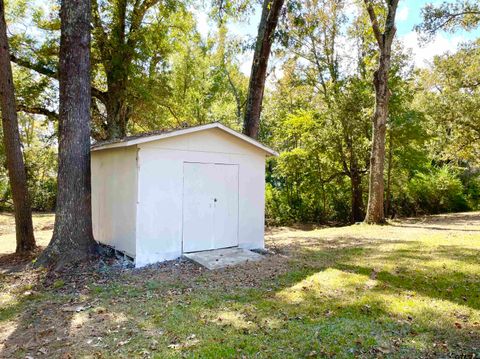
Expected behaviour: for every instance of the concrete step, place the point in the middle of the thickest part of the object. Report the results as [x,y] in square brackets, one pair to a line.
[221,258]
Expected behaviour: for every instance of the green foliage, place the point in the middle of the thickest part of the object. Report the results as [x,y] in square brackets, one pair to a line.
[40,155]
[450,98]
[317,106]
[449,16]
[471,184]
[297,192]
[318,117]
[436,191]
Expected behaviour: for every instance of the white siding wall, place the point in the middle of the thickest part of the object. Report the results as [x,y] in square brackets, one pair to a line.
[114,196]
[160,190]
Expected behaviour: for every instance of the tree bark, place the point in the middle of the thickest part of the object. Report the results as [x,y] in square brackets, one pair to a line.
[268,23]
[117,111]
[72,239]
[375,209]
[13,151]
[375,213]
[388,200]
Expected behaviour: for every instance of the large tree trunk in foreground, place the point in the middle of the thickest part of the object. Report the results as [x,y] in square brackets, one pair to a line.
[72,239]
[375,209]
[11,141]
[266,29]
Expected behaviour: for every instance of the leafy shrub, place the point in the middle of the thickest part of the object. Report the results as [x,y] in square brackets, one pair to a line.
[436,191]
[43,194]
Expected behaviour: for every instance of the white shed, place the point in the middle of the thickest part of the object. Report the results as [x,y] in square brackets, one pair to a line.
[157,196]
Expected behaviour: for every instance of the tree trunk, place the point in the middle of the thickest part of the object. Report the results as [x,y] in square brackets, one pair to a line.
[357,197]
[266,29]
[117,114]
[388,200]
[375,210]
[72,239]
[375,213]
[117,84]
[13,151]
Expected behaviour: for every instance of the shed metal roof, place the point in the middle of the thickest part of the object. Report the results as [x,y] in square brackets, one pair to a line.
[159,135]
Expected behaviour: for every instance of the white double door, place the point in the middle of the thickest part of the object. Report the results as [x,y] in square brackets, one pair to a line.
[210,206]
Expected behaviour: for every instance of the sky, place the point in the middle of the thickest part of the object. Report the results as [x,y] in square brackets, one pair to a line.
[408,15]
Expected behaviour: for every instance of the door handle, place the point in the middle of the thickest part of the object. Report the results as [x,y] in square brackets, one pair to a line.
[214,200]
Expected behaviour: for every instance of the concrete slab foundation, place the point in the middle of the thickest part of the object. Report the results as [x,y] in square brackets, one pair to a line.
[221,258]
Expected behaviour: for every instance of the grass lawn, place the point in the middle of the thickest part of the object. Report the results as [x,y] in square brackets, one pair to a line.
[42,223]
[409,289]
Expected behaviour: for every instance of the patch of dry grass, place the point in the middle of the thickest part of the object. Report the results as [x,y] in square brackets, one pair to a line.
[42,223]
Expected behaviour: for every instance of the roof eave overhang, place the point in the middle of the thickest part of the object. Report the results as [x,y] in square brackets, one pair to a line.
[185,131]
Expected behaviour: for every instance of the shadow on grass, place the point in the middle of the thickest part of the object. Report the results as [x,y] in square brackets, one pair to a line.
[434,228]
[50,314]
[338,297]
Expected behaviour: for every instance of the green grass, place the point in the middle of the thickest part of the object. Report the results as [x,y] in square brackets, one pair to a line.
[349,292]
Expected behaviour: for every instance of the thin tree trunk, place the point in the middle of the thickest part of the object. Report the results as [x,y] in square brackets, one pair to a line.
[357,197]
[72,235]
[388,200]
[375,208]
[268,23]
[13,151]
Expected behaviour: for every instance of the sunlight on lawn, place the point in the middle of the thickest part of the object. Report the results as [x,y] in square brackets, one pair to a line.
[42,223]
[330,283]
[358,291]
[235,319]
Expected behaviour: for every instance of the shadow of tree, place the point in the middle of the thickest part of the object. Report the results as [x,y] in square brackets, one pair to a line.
[435,228]
[320,297]
[47,317]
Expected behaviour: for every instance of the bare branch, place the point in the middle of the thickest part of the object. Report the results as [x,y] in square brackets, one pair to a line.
[33,66]
[37,111]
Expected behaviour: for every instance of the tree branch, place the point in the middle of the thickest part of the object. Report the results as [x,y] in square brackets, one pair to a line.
[136,18]
[33,66]
[101,95]
[37,111]
[390,28]
[374,21]
[450,18]
[99,30]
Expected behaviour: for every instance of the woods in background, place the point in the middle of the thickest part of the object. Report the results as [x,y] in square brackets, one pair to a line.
[152,69]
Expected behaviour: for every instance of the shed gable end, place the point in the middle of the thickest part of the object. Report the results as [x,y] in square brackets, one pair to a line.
[210,140]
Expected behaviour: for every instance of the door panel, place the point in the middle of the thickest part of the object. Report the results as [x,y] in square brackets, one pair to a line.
[210,206]
[226,206]
[197,206]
